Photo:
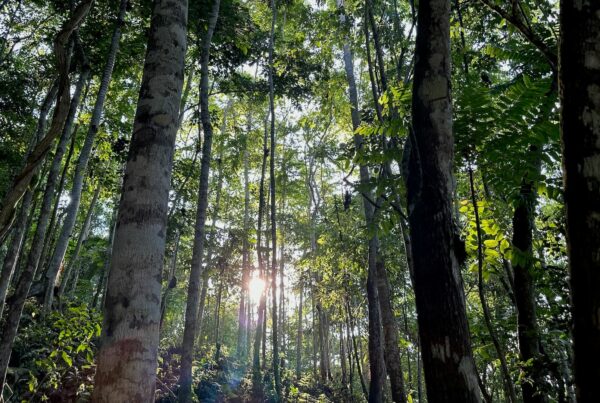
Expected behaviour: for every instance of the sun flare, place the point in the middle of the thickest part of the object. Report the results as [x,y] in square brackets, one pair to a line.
[256,287]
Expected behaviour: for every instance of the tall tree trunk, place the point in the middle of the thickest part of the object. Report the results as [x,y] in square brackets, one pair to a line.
[528,333]
[17,301]
[38,154]
[243,319]
[580,101]
[84,156]
[352,325]
[376,357]
[126,363]
[450,372]
[261,266]
[191,311]
[299,333]
[20,229]
[275,337]
[83,234]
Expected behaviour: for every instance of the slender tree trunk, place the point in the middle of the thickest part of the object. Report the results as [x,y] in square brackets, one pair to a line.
[126,363]
[450,372]
[20,229]
[85,229]
[15,247]
[172,281]
[101,289]
[261,265]
[191,312]
[299,334]
[275,337]
[38,154]
[580,94]
[17,301]
[508,385]
[243,319]
[84,156]
[351,323]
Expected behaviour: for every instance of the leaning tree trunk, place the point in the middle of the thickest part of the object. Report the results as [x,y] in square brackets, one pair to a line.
[580,130]
[17,301]
[38,154]
[450,371]
[126,363]
[84,157]
[191,311]
[20,229]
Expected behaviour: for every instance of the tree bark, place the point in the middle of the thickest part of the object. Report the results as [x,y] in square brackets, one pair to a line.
[376,357]
[191,312]
[450,372]
[126,363]
[580,100]
[84,156]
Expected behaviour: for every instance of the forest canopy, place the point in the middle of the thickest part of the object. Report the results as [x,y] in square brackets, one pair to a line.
[299,201]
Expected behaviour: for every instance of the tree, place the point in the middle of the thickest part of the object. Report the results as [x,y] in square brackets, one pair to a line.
[580,109]
[450,372]
[127,363]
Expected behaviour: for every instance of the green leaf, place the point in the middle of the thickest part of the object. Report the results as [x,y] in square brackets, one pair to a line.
[67,359]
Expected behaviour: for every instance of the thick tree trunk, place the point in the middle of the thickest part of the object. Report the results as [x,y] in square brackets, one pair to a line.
[450,372]
[126,363]
[580,100]
[38,154]
[83,234]
[191,312]
[84,156]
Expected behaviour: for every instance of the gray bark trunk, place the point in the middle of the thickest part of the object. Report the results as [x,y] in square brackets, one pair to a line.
[84,156]
[191,312]
[83,234]
[126,362]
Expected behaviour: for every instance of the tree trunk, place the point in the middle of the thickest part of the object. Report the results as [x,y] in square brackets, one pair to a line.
[261,266]
[38,154]
[300,331]
[376,357]
[172,280]
[580,100]
[243,319]
[101,288]
[275,340]
[17,301]
[85,229]
[191,311]
[84,156]
[450,372]
[351,324]
[126,363]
